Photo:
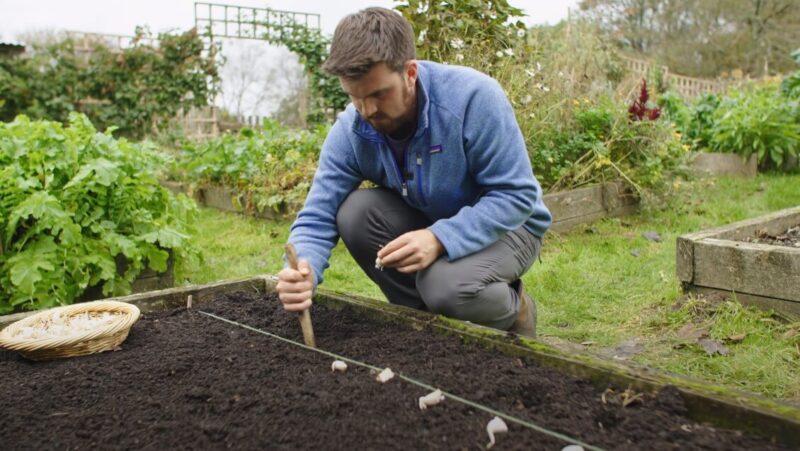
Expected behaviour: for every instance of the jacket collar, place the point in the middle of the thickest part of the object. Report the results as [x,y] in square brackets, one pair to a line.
[363,129]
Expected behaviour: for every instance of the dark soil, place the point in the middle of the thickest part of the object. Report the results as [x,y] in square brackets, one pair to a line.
[187,381]
[789,238]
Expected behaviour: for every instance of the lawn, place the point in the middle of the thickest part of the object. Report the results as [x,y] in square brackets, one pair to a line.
[599,286]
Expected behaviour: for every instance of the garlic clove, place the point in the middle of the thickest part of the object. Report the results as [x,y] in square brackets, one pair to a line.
[338,365]
[378,264]
[495,426]
[431,399]
[572,448]
[385,375]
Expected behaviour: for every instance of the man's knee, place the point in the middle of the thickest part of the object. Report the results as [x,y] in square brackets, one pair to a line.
[357,210]
[445,291]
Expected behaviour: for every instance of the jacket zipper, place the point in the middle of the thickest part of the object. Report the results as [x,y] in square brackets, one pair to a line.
[419,179]
[403,182]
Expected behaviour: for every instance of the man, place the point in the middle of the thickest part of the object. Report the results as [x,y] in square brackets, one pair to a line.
[458,217]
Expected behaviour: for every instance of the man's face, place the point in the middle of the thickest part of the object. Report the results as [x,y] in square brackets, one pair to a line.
[385,98]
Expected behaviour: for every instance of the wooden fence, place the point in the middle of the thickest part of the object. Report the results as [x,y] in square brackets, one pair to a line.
[206,123]
[688,87]
[199,123]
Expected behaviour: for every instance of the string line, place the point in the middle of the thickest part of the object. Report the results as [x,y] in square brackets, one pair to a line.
[416,382]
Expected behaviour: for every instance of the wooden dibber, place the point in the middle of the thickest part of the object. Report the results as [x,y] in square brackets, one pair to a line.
[305,315]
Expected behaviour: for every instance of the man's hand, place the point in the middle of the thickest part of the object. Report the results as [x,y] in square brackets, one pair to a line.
[412,251]
[295,287]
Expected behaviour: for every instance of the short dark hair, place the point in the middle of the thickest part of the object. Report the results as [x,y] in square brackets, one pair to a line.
[369,37]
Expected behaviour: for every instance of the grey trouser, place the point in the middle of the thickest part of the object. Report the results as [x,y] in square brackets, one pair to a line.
[479,287]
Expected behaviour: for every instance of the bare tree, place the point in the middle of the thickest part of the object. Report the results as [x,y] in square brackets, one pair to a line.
[704,38]
[257,77]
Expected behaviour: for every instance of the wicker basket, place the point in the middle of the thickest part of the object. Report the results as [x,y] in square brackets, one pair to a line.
[81,342]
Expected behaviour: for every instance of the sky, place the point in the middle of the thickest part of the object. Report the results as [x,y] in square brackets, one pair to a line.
[121,16]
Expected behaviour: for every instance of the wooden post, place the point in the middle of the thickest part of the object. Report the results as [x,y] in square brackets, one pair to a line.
[305,315]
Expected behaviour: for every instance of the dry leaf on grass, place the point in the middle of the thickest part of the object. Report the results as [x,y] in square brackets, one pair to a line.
[738,338]
[692,332]
[713,347]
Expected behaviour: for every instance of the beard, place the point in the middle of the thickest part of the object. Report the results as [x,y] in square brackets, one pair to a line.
[388,125]
[384,124]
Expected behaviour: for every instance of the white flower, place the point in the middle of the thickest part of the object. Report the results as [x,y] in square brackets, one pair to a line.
[527,99]
[539,86]
[422,34]
[459,57]
[457,43]
[521,33]
[545,89]
[509,52]
[530,73]
[499,54]
[538,66]
[561,74]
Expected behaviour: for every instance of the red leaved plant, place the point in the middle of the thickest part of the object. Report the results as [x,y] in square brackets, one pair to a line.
[638,109]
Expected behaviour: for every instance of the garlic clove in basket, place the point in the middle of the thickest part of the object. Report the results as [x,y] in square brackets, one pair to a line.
[495,426]
[431,399]
[25,333]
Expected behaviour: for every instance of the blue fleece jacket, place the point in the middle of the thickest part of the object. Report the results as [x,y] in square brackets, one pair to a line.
[472,174]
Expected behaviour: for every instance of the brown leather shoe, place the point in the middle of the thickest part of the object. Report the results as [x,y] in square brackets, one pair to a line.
[525,324]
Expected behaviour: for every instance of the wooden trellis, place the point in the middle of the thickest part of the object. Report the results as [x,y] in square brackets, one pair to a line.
[215,20]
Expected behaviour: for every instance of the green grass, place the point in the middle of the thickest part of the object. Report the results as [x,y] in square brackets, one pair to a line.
[234,246]
[589,286]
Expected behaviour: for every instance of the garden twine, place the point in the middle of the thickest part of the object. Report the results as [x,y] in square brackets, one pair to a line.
[418,383]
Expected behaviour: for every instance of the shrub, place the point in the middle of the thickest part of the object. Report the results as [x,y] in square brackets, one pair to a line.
[72,201]
[697,131]
[756,120]
[134,90]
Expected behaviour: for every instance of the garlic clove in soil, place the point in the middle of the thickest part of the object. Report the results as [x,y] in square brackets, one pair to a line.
[572,448]
[431,399]
[338,365]
[495,426]
[385,375]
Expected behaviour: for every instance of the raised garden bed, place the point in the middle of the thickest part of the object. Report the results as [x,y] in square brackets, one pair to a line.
[589,204]
[184,379]
[222,198]
[712,163]
[729,260]
[569,208]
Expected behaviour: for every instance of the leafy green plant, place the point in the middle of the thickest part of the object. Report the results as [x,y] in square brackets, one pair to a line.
[756,120]
[73,203]
[272,166]
[674,108]
[696,129]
